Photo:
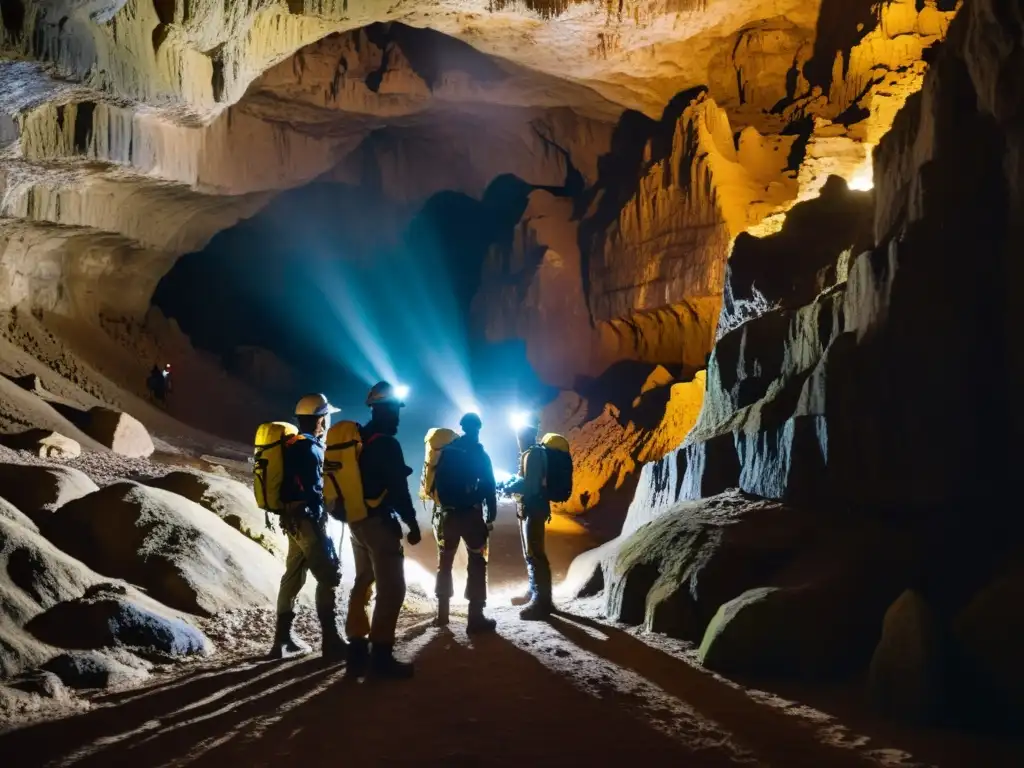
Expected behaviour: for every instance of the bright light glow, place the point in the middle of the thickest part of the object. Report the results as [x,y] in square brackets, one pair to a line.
[501,476]
[518,419]
[401,391]
[863,178]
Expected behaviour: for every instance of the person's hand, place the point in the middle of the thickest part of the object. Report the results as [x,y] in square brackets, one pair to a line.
[490,522]
[269,523]
[414,536]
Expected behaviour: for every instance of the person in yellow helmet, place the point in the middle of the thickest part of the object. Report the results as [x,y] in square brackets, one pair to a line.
[310,549]
[377,541]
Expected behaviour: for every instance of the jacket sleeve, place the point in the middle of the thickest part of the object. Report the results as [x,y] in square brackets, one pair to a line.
[487,486]
[530,485]
[397,483]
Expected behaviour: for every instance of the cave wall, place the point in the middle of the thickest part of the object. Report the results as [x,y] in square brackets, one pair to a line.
[145,128]
[892,390]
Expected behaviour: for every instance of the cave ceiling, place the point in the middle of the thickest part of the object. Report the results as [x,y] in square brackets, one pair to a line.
[144,127]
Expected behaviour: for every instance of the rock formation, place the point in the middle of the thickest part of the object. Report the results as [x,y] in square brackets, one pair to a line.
[834,396]
[698,211]
[130,129]
[178,551]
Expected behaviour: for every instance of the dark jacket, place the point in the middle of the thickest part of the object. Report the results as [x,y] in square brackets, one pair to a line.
[382,466]
[529,486]
[483,471]
[304,473]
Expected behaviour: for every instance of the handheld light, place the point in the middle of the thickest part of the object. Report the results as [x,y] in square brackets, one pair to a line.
[519,420]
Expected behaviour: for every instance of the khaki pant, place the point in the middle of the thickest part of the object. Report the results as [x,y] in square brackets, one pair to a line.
[377,549]
[309,549]
[531,536]
[450,528]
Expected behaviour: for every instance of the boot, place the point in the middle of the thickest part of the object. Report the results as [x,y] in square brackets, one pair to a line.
[478,623]
[442,612]
[286,644]
[537,610]
[358,657]
[384,664]
[333,646]
[524,599]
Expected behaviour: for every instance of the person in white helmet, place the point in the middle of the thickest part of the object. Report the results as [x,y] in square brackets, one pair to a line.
[310,549]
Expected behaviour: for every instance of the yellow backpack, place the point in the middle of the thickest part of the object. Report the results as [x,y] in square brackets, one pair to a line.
[268,464]
[435,441]
[343,483]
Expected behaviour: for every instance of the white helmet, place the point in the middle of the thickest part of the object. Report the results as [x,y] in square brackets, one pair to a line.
[314,405]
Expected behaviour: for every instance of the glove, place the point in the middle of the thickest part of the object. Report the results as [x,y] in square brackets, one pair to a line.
[268,521]
[490,522]
[414,535]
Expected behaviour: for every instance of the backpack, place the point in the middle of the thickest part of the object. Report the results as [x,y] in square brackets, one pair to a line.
[435,441]
[268,464]
[343,482]
[558,483]
[456,480]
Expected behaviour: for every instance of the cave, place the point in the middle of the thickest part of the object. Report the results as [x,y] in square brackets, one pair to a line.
[752,262]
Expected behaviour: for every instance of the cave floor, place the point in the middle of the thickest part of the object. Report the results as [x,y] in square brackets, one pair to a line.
[568,691]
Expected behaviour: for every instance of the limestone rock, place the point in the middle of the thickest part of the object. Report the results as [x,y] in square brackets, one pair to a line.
[180,553]
[13,514]
[120,432]
[905,677]
[989,633]
[44,443]
[778,633]
[231,501]
[89,669]
[104,617]
[40,683]
[672,574]
[34,577]
[39,491]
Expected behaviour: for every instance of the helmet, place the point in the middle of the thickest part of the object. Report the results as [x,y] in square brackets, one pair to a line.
[471,421]
[314,405]
[383,393]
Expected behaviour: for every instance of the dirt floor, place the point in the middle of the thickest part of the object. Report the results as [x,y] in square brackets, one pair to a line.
[570,691]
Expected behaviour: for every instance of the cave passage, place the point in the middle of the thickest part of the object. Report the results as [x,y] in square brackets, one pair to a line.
[348,288]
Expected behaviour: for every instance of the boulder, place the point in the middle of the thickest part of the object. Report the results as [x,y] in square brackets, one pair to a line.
[40,683]
[989,635]
[44,443]
[90,669]
[820,615]
[38,491]
[776,632]
[107,617]
[34,576]
[672,574]
[180,553]
[231,501]
[905,676]
[118,431]
[10,512]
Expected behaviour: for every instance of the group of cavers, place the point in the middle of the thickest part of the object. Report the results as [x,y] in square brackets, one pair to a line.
[357,474]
